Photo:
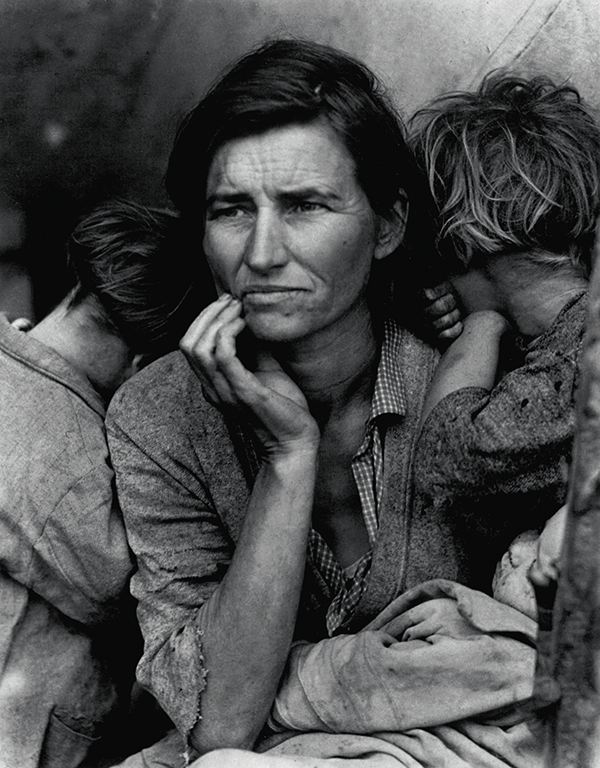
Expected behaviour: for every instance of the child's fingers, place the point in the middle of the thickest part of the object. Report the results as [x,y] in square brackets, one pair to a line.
[449,334]
[441,306]
[447,321]
[540,576]
[431,293]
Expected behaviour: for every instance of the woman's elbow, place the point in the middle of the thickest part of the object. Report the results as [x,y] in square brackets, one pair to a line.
[224,734]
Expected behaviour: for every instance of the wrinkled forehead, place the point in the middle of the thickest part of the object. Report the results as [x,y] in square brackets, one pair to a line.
[289,159]
[297,144]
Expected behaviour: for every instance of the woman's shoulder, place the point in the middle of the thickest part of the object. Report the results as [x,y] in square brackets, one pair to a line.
[164,391]
[162,374]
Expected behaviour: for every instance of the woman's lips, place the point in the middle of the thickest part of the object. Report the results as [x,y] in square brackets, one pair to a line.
[273,295]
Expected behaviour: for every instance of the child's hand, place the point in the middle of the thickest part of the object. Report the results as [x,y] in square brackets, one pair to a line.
[546,567]
[441,315]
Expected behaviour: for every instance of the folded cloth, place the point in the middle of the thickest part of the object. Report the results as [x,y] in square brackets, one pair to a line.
[442,677]
[438,654]
[473,746]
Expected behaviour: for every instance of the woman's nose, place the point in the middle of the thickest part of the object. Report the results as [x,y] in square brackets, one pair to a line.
[265,248]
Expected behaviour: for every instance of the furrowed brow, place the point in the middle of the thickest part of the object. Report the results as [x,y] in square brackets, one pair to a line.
[309,193]
[224,197]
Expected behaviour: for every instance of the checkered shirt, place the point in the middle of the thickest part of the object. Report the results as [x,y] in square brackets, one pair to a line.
[367,469]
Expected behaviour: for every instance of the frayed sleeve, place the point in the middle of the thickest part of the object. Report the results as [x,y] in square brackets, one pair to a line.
[181,546]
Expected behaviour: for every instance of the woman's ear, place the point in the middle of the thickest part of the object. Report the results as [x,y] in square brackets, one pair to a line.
[391,229]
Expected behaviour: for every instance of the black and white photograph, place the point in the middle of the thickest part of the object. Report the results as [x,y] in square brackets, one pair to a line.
[299,384]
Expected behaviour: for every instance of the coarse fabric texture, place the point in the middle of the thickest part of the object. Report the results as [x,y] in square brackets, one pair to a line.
[439,653]
[468,745]
[497,461]
[64,561]
[442,677]
[184,475]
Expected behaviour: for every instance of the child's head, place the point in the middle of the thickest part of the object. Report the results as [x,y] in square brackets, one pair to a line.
[133,272]
[513,167]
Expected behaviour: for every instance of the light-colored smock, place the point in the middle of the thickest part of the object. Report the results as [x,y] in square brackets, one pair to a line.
[64,561]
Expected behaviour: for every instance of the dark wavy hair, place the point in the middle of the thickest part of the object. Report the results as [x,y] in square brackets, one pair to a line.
[293,81]
[512,167]
[130,263]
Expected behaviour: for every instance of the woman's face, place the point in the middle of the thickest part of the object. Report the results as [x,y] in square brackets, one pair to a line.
[290,232]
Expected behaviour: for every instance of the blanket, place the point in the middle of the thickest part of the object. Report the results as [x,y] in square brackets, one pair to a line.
[442,678]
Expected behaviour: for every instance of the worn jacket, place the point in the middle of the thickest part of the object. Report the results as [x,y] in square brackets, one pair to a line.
[184,475]
[64,561]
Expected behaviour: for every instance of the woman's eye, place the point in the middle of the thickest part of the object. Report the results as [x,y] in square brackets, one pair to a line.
[224,212]
[306,206]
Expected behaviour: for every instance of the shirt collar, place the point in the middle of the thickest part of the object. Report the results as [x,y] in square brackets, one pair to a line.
[389,396]
[41,358]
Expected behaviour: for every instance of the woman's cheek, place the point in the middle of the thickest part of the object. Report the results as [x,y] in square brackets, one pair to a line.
[222,284]
[218,275]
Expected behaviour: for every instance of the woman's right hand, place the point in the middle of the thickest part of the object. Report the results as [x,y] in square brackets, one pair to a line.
[274,405]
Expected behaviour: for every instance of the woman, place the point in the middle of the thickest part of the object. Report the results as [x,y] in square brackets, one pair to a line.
[295,171]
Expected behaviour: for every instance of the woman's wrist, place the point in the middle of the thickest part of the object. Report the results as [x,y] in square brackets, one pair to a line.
[294,456]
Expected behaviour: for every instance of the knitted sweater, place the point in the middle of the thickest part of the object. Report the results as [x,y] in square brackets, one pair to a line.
[497,461]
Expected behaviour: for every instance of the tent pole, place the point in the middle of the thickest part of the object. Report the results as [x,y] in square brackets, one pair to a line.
[573,736]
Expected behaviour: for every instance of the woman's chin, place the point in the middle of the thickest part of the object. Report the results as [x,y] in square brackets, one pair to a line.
[274,329]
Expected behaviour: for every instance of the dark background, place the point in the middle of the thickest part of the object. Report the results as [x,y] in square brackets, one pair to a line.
[91,91]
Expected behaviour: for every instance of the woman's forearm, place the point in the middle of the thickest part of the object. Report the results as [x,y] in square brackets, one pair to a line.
[248,622]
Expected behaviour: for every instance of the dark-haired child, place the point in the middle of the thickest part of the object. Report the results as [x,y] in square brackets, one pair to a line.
[68,639]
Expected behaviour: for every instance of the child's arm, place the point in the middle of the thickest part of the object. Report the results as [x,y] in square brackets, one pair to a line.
[512,437]
[471,360]
[489,431]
